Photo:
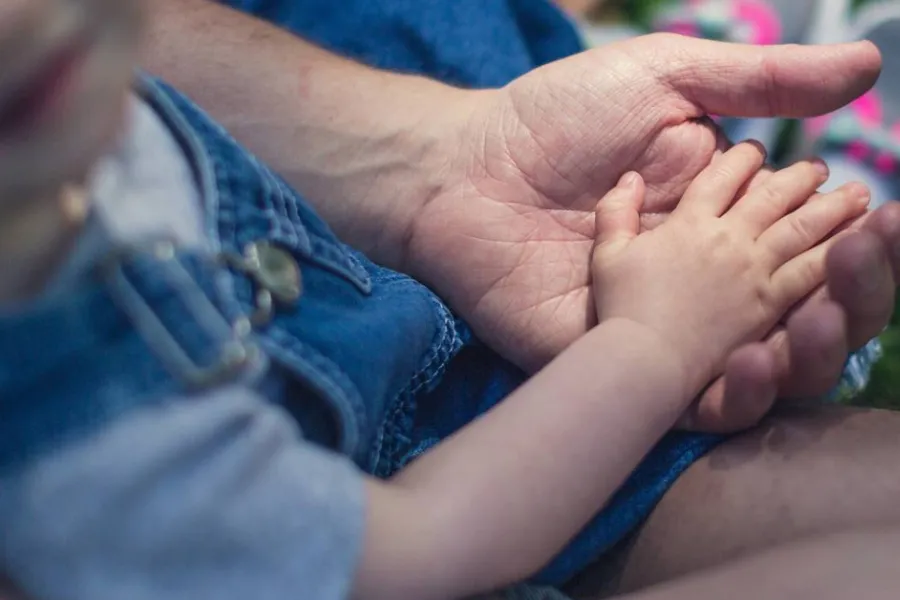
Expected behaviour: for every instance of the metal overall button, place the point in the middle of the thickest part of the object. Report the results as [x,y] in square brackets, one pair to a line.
[275,273]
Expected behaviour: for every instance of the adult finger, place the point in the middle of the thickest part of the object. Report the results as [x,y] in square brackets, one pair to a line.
[761,81]
[865,309]
[861,280]
[817,340]
[885,223]
[741,397]
[802,360]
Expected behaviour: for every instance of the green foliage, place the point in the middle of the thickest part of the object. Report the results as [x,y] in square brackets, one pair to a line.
[884,389]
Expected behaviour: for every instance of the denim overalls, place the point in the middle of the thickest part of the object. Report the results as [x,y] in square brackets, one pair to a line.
[361,340]
[379,368]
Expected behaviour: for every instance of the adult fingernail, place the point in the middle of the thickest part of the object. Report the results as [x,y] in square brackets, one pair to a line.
[890,233]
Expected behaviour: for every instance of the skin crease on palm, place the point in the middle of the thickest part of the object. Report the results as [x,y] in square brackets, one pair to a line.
[539,148]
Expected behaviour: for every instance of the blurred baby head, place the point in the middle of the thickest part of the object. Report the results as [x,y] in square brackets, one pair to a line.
[65,68]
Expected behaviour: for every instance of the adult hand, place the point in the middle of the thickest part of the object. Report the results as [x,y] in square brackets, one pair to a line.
[508,238]
[807,356]
[489,196]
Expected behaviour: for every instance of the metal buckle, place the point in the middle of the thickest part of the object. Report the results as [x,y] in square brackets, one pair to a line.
[234,355]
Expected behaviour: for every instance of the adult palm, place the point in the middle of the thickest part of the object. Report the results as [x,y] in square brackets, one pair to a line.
[515,220]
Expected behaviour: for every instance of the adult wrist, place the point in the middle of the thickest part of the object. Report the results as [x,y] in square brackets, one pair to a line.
[416,154]
[366,147]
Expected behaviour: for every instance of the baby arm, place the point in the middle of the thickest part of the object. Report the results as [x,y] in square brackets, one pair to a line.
[203,496]
[218,496]
[510,490]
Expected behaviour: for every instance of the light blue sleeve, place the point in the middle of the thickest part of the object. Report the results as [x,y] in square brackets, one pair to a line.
[213,497]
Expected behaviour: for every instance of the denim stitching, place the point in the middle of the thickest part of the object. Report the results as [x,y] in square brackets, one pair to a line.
[331,380]
[398,421]
[278,207]
[343,258]
[289,209]
[196,151]
[338,391]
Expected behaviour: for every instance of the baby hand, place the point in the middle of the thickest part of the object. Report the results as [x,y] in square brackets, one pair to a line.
[725,267]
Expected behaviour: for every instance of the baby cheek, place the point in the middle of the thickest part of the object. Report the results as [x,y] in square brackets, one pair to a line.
[117,124]
[17,14]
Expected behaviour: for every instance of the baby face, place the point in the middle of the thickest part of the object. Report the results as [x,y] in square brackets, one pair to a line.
[65,68]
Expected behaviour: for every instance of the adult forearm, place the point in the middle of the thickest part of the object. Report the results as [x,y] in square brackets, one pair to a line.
[498,500]
[366,147]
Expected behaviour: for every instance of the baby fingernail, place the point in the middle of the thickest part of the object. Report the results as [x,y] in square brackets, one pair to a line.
[821,167]
[628,180]
[860,192]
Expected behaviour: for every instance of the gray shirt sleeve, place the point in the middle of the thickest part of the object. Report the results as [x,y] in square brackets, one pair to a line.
[204,497]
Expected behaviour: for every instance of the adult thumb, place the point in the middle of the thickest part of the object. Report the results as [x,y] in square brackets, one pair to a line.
[740,80]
